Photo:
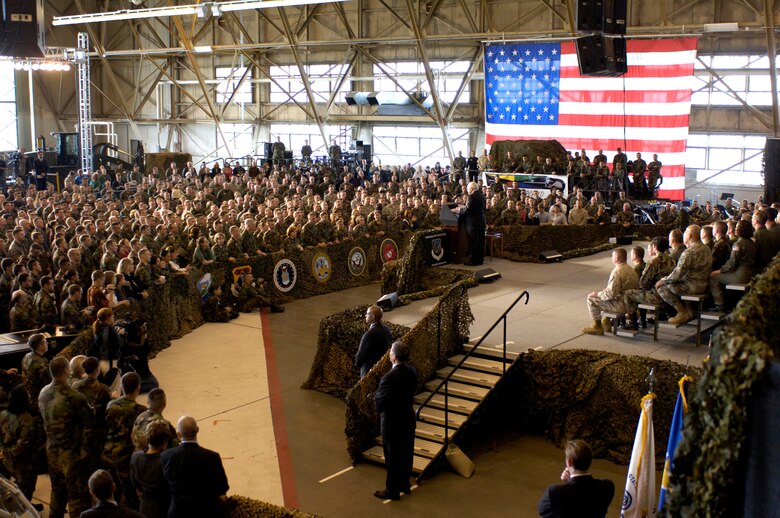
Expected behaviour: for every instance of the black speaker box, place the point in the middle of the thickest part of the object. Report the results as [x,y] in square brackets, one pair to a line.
[550,256]
[772,170]
[621,240]
[590,15]
[367,152]
[615,51]
[23,34]
[269,152]
[591,56]
[615,12]
[487,275]
[388,302]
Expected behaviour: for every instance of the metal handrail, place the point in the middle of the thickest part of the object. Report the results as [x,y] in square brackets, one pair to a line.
[446,380]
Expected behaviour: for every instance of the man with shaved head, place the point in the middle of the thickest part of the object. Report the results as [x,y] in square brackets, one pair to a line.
[196,476]
[691,276]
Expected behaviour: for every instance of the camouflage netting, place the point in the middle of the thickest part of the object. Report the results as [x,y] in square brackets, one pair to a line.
[413,279]
[241,507]
[595,396]
[525,243]
[547,148]
[706,480]
[452,315]
[333,370]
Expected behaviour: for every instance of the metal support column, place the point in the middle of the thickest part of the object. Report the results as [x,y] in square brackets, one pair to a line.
[771,45]
[85,101]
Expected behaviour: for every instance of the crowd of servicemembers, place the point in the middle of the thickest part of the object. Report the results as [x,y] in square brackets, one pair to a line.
[60,418]
[701,260]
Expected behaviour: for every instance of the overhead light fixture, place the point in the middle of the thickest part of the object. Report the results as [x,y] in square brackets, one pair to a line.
[721,27]
[202,49]
[217,8]
[41,64]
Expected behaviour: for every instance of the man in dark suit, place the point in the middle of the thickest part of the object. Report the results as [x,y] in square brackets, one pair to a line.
[395,404]
[41,166]
[375,341]
[102,487]
[195,474]
[581,495]
[473,218]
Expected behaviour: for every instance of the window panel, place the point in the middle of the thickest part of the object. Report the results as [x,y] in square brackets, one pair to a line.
[722,158]
[8,134]
[729,61]
[759,98]
[232,79]
[728,141]
[754,142]
[760,84]
[696,158]
[755,164]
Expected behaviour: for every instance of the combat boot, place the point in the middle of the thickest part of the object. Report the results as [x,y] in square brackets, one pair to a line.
[595,329]
[682,316]
[606,324]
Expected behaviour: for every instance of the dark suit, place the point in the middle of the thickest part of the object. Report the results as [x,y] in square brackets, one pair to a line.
[110,510]
[374,344]
[197,480]
[41,166]
[395,404]
[473,218]
[581,497]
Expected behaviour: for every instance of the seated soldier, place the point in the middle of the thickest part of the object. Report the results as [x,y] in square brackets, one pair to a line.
[676,245]
[214,308]
[625,218]
[578,215]
[251,296]
[689,277]
[621,279]
[721,248]
[740,267]
[638,260]
[660,265]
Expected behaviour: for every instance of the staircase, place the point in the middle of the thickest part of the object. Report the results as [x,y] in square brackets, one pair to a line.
[452,398]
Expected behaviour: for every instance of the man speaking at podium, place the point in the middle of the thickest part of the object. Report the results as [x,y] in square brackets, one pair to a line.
[473,218]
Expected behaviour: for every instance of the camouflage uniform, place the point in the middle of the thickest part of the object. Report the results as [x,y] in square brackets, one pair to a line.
[22,439]
[121,414]
[250,297]
[721,251]
[334,152]
[109,262]
[249,244]
[623,218]
[676,252]
[72,314]
[277,152]
[659,266]
[325,230]
[98,396]
[66,414]
[655,174]
[139,430]
[690,276]
[215,311]
[23,316]
[220,253]
[143,276]
[272,241]
[610,299]
[309,234]
[234,248]
[46,307]
[35,373]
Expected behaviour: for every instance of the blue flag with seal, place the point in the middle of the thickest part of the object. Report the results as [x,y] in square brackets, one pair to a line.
[675,434]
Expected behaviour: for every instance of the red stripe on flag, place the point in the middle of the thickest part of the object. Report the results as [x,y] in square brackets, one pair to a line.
[631,96]
[630,121]
[640,71]
[671,194]
[673,146]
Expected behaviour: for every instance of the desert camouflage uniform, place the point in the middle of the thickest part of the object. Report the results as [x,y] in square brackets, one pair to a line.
[610,299]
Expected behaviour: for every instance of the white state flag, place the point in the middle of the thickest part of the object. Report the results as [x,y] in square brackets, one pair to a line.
[639,499]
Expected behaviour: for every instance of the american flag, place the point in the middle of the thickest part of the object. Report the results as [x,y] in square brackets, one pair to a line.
[534,91]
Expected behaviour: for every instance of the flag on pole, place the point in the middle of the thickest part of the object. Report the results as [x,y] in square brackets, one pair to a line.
[639,496]
[534,91]
[675,434]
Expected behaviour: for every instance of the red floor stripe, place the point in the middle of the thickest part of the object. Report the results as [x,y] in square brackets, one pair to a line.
[289,490]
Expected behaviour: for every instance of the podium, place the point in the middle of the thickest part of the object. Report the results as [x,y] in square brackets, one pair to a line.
[449,216]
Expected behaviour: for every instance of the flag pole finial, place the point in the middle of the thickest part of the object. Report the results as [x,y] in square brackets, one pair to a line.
[650,379]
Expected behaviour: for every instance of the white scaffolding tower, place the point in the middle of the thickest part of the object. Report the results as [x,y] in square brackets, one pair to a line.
[85,101]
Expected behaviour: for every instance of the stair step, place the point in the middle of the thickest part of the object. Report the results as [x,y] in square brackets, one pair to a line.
[377,454]
[434,415]
[627,334]
[493,351]
[482,379]
[712,315]
[456,404]
[422,447]
[649,307]
[431,431]
[479,364]
[460,390]
[668,325]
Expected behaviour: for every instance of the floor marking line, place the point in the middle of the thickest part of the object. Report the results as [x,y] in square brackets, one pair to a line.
[336,474]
